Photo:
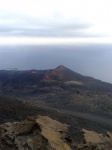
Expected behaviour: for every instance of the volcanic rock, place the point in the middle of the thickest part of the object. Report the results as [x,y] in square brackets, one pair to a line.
[34,133]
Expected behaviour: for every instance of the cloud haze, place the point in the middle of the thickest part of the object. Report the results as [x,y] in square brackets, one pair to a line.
[12,25]
[65,18]
[91,60]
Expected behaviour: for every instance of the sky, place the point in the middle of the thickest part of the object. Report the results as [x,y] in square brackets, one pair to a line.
[54,19]
[42,34]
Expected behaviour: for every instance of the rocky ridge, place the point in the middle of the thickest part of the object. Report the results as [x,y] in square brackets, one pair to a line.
[34,133]
[43,133]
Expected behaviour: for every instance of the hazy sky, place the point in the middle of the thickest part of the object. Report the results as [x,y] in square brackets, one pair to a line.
[74,33]
[88,59]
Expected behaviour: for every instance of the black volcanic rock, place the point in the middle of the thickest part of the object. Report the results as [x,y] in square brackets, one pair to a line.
[83,129]
[34,81]
[62,94]
[59,88]
[62,73]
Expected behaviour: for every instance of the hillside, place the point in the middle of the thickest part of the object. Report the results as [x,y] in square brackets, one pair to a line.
[83,103]
[59,88]
[34,81]
[76,133]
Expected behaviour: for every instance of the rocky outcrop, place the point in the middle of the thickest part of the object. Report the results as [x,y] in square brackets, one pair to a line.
[44,133]
[34,133]
[96,141]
